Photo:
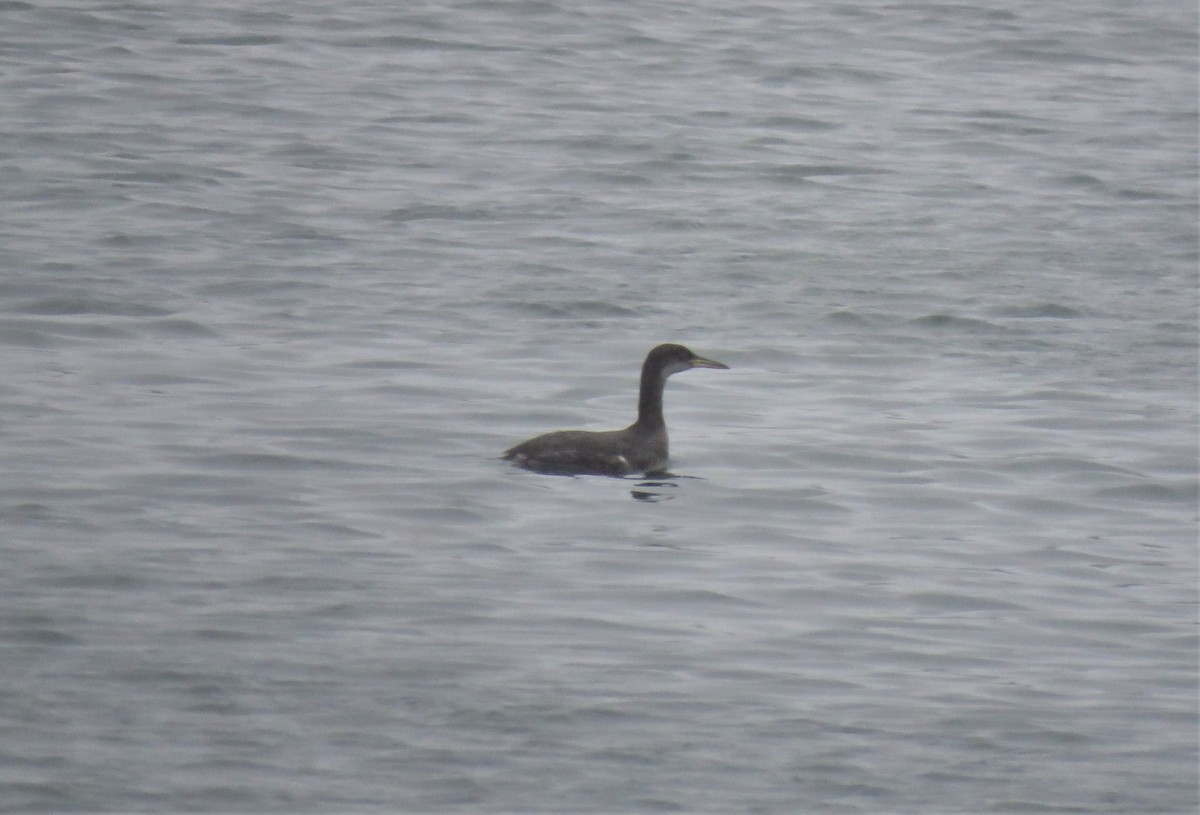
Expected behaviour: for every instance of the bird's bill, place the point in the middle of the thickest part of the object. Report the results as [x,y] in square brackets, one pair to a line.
[701,362]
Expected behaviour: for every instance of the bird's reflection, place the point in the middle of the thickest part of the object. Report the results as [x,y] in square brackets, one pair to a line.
[652,491]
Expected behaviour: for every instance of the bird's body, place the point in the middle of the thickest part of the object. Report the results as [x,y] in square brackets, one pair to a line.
[584,452]
[640,448]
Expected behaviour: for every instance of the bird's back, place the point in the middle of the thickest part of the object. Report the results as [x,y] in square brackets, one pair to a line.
[582,452]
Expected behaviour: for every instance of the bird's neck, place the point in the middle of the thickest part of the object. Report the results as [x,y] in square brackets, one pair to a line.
[650,400]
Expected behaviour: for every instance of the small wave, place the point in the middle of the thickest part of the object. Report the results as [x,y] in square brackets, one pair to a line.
[232,39]
[845,317]
[82,304]
[40,636]
[24,337]
[433,212]
[579,309]
[1185,492]
[1058,465]
[797,173]
[1041,310]
[406,43]
[112,581]
[948,322]
[793,123]
[271,462]
[180,328]
[948,602]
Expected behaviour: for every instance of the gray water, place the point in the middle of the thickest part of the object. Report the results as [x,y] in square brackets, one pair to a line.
[279,282]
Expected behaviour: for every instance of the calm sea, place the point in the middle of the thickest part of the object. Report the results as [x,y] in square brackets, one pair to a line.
[279,282]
